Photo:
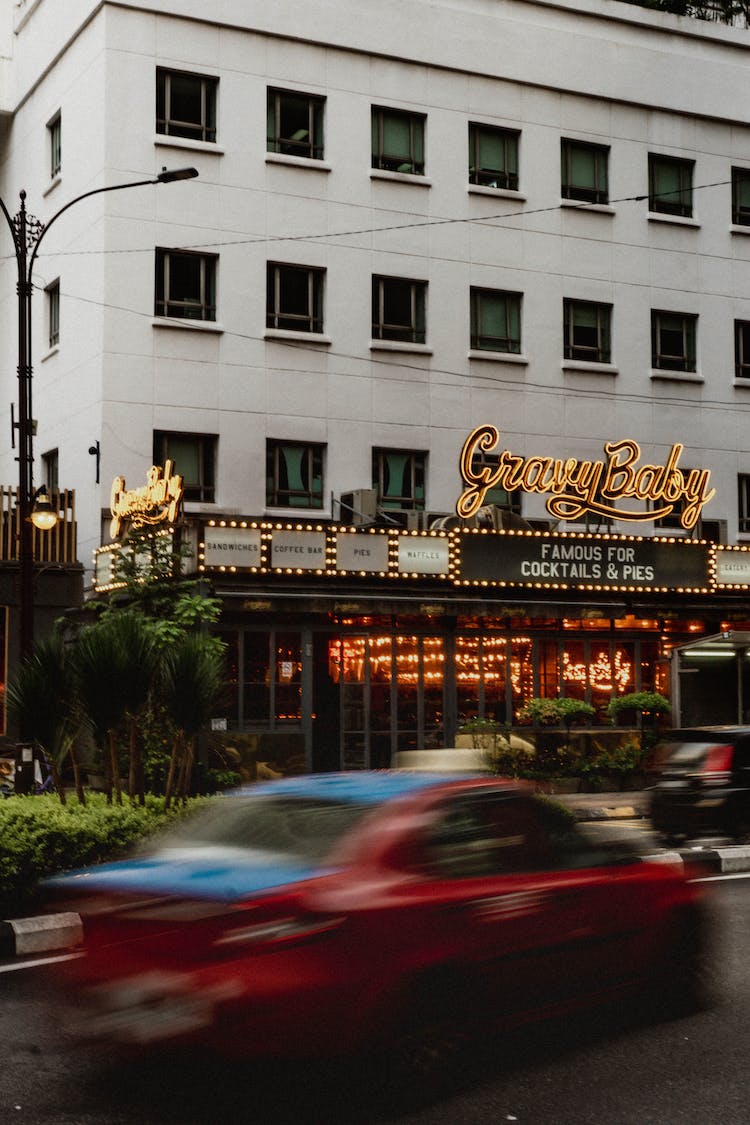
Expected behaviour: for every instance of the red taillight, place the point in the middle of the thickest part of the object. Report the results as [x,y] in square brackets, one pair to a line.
[717,768]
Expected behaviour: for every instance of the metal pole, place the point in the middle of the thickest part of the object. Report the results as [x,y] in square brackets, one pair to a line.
[25,439]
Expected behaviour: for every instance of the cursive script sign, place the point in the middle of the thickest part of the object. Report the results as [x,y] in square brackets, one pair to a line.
[576,487]
[157,502]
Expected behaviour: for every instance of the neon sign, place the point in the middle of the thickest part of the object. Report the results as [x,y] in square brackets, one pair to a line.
[158,502]
[577,487]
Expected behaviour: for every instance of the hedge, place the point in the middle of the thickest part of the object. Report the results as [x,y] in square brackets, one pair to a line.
[40,837]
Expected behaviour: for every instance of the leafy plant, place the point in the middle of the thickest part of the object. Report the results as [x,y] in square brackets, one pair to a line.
[641,702]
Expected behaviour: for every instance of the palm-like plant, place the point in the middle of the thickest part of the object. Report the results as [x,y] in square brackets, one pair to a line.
[190,684]
[42,699]
[103,667]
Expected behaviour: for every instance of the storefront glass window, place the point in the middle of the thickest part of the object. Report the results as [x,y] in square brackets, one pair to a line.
[230,701]
[611,672]
[256,688]
[521,672]
[288,678]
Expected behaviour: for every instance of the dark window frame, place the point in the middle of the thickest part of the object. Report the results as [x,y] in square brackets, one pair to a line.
[306,143]
[279,493]
[202,491]
[202,305]
[742,349]
[505,177]
[411,161]
[413,474]
[678,202]
[569,189]
[662,360]
[54,132]
[203,126]
[574,347]
[740,207]
[385,293]
[743,502]
[53,313]
[508,305]
[280,279]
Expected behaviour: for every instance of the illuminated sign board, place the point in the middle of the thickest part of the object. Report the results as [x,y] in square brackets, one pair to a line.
[423,554]
[362,552]
[298,550]
[732,566]
[159,501]
[231,546]
[576,488]
[582,562]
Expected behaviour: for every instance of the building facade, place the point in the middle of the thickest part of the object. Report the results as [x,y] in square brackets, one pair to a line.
[527,220]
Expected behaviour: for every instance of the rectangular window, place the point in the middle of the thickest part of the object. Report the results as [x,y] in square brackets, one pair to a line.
[673,341]
[294,474]
[742,349]
[294,124]
[186,105]
[51,470]
[743,498]
[673,522]
[586,331]
[670,185]
[194,458]
[53,313]
[398,476]
[185,284]
[398,141]
[495,320]
[398,309]
[54,132]
[493,156]
[500,497]
[741,196]
[584,173]
[294,297]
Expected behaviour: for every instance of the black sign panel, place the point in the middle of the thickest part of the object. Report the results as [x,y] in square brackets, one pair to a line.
[582,562]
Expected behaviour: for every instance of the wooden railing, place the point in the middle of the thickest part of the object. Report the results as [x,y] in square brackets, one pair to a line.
[60,545]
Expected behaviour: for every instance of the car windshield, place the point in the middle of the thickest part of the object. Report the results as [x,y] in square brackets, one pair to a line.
[296,827]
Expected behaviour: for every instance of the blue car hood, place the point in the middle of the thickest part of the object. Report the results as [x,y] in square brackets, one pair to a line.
[224,874]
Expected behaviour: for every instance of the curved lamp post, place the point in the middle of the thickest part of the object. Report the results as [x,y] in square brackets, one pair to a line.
[27,233]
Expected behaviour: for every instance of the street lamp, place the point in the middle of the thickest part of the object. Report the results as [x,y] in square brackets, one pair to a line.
[27,233]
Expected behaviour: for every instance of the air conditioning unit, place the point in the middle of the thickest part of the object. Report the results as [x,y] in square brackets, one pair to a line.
[715,530]
[360,506]
[420,521]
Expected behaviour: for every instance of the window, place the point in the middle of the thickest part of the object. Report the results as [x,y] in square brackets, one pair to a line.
[294,474]
[398,141]
[743,497]
[670,186]
[495,320]
[741,196]
[398,476]
[398,309]
[185,284]
[53,313]
[194,458]
[54,132]
[493,157]
[584,171]
[51,470]
[673,521]
[294,298]
[586,331]
[500,497]
[186,105]
[673,341]
[294,124]
[742,349]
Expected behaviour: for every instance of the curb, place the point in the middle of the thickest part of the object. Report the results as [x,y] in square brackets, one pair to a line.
[707,861]
[20,936]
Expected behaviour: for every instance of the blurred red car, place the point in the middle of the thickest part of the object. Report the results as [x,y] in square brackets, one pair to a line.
[320,913]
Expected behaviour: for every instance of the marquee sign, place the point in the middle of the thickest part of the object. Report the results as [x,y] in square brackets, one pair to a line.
[576,488]
[160,501]
[586,562]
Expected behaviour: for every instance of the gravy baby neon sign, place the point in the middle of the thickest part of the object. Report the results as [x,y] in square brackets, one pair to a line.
[577,487]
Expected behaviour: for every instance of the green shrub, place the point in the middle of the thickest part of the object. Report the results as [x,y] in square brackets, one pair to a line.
[40,837]
[640,702]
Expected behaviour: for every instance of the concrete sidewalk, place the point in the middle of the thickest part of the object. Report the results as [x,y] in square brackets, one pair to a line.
[606,806]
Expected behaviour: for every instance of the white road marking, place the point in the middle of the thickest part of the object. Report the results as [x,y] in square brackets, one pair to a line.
[39,961]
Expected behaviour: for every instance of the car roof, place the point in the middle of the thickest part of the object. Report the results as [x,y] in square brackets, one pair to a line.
[362,786]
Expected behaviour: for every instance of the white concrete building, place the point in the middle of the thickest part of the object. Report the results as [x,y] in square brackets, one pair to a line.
[409,221]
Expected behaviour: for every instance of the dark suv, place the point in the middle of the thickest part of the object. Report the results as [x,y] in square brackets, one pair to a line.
[704,786]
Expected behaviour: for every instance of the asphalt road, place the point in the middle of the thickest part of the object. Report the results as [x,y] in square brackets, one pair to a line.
[611,1069]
